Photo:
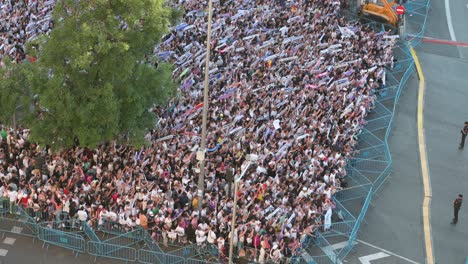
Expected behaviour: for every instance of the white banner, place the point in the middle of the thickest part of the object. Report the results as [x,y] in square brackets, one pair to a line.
[328,216]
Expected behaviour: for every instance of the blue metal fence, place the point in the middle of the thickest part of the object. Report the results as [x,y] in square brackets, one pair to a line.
[416,18]
[150,257]
[106,250]
[72,241]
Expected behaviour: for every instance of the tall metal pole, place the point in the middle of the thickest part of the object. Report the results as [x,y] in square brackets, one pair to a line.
[201,156]
[233,221]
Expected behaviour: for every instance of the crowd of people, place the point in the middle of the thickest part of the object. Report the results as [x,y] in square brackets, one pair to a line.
[291,82]
[22,21]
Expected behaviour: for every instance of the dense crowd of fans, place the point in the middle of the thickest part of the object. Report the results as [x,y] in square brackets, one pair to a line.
[290,81]
[22,21]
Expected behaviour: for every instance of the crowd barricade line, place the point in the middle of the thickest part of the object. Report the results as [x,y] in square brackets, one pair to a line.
[90,233]
[371,152]
[417,12]
[380,109]
[71,241]
[199,261]
[369,138]
[113,228]
[387,92]
[371,166]
[185,252]
[343,213]
[106,250]
[151,244]
[378,123]
[126,239]
[16,226]
[150,257]
[382,177]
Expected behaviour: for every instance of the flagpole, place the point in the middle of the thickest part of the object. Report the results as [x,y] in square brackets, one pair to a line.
[201,153]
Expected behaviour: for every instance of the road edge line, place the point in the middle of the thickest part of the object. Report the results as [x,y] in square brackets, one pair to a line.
[426,207]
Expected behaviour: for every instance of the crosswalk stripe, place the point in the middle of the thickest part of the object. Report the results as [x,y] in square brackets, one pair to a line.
[9,241]
[368,258]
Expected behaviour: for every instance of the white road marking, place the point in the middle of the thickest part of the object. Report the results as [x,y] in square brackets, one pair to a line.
[3,252]
[9,241]
[448,14]
[388,252]
[367,259]
[330,253]
[16,229]
[340,245]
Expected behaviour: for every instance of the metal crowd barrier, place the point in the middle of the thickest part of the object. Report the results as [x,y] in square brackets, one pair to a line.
[416,19]
[150,257]
[103,249]
[49,236]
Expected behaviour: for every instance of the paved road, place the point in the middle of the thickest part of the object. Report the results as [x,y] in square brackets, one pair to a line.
[445,69]
[459,17]
[446,96]
[16,249]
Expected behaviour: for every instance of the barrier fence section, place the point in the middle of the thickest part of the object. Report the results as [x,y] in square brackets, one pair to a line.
[49,236]
[416,17]
[107,250]
[150,257]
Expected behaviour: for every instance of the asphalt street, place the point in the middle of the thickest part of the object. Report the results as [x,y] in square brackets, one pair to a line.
[445,69]
[22,250]
[445,112]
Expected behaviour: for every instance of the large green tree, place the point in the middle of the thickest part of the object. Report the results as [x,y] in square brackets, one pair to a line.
[16,95]
[96,84]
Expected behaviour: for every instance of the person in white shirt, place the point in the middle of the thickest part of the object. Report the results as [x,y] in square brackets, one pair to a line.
[201,236]
[12,195]
[211,236]
[82,214]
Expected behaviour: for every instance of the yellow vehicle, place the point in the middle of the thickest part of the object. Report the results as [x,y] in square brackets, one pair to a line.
[384,14]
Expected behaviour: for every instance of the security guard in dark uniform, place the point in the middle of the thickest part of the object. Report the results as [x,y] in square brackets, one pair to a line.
[456,207]
[464,132]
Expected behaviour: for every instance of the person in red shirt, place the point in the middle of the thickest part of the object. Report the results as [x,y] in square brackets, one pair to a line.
[24,200]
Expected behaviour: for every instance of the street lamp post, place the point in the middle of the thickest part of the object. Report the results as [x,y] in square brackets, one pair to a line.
[201,153]
[250,160]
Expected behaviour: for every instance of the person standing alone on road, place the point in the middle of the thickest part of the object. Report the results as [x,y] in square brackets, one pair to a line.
[464,132]
[456,207]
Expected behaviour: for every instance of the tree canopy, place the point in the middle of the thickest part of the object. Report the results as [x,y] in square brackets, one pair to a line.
[92,80]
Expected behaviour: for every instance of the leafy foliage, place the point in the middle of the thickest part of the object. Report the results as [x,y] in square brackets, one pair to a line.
[92,78]
[15,93]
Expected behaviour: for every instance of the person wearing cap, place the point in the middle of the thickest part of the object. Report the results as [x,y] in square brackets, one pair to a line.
[456,208]
[464,132]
